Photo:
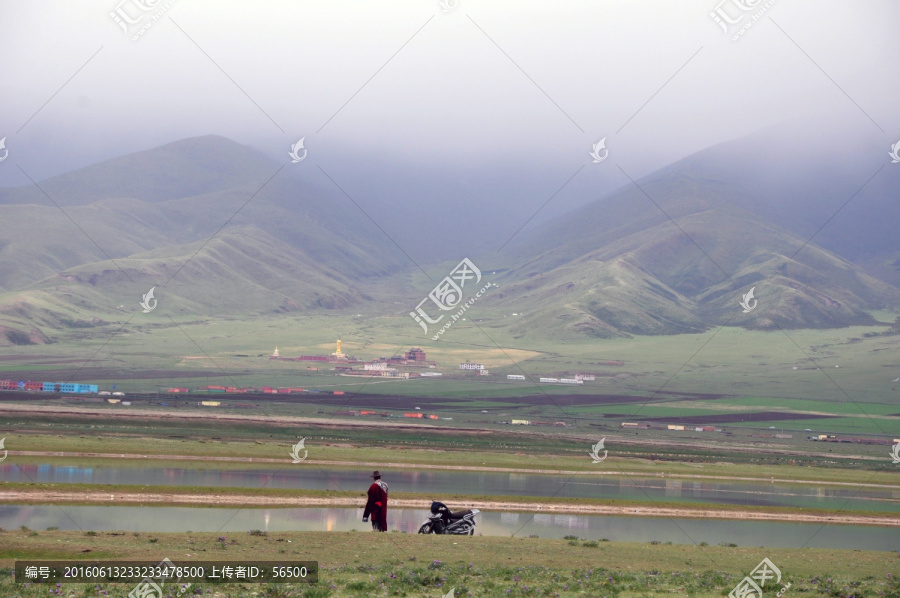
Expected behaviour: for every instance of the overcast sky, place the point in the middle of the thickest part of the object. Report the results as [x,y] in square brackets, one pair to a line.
[485,87]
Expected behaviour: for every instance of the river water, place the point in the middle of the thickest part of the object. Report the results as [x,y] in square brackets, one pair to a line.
[234,522]
[437,483]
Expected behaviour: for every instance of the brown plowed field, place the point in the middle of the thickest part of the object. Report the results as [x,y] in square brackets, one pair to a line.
[403,402]
[88,375]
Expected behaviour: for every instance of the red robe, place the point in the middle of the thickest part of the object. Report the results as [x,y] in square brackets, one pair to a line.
[376,506]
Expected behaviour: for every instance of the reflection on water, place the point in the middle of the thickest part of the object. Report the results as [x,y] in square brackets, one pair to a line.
[436,483]
[545,525]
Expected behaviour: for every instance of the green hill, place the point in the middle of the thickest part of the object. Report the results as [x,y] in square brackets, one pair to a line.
[252,242]
[620,266]
[181,193]
[223,231]
[243,272]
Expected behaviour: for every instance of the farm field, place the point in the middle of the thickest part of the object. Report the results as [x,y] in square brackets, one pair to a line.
[607,411]
[144,438]
[741,380]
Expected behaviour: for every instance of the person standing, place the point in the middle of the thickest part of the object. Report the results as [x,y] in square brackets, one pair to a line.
[376,506]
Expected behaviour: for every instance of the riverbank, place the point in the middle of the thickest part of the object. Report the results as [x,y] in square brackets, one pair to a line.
[81,458]
[329,455]
[121,495]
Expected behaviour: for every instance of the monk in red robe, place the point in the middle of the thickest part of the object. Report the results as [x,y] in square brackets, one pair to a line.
[376,506]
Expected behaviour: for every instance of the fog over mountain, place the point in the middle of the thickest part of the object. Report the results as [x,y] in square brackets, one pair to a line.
[488,87]
[670,252]
[430,135]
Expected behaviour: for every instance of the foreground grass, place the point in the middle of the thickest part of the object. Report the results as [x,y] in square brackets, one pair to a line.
[367,564]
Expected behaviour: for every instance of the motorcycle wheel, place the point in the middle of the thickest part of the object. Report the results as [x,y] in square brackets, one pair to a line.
[426,528]
[472,532]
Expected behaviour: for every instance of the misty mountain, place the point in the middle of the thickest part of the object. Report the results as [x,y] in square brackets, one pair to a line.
[177,194]
[676,256]
[819,180]
[217,227]
[185,168]
[220,229]
[242,271]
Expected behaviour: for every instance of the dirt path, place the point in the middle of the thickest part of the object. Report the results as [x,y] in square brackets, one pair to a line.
[250,500]
[407,466]
[137,413]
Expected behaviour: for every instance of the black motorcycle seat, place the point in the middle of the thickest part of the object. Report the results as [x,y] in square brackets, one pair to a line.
[460,514]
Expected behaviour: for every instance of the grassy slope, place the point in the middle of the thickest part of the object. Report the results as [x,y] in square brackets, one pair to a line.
[615,267]
[356,564]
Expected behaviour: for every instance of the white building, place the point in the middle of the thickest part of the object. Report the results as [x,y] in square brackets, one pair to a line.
[515,377]
[394,374]
[471,366]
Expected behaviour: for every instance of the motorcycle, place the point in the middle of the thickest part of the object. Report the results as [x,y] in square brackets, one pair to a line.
[444,521]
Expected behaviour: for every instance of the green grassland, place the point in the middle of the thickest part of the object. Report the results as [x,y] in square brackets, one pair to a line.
[397,564]
[848,407]
[728,361]
[845,425]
